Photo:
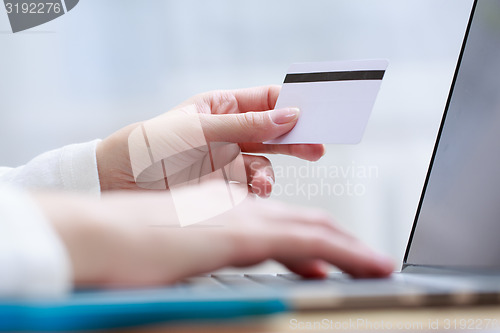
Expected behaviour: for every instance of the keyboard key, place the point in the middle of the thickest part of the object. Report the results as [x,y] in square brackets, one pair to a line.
[270,280]
[236,280]
[203,282]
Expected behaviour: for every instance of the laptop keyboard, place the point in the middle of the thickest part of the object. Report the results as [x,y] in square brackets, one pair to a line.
[342,291]
[334,280]
[344,283]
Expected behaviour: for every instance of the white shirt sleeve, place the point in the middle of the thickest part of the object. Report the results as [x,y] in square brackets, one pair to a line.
[71,168]
[33,260]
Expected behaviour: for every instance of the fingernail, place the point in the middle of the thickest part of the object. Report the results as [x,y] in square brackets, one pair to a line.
[270,180]
[284,116]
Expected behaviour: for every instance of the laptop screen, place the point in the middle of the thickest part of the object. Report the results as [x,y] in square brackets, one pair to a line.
[458,221]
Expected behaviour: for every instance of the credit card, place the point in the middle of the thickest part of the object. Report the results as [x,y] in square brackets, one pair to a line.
[335,100]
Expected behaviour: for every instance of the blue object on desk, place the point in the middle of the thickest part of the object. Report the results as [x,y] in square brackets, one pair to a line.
[91,310]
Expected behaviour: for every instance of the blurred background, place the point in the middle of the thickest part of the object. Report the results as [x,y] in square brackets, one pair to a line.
[109,63]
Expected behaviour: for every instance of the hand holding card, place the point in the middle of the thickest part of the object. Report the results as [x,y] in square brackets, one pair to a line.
[335,99]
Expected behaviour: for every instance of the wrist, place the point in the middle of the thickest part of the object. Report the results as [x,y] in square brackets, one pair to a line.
[75,220]
[113,161]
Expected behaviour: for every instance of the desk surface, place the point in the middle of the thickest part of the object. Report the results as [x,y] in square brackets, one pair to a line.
[448,319]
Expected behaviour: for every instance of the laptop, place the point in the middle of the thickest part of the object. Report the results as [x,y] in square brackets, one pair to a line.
[452,257]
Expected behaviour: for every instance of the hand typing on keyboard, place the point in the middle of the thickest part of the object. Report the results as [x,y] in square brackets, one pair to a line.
[130,239]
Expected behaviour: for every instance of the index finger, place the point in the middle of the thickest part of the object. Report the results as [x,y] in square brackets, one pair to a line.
[257,99]
[238,101]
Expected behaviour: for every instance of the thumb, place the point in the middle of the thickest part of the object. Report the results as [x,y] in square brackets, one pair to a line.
[250,126]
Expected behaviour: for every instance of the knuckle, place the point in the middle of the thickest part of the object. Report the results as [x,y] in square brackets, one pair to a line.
[312,242]
[219,101]
[321,245]
[254,124]
[253,119]
[225,102]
